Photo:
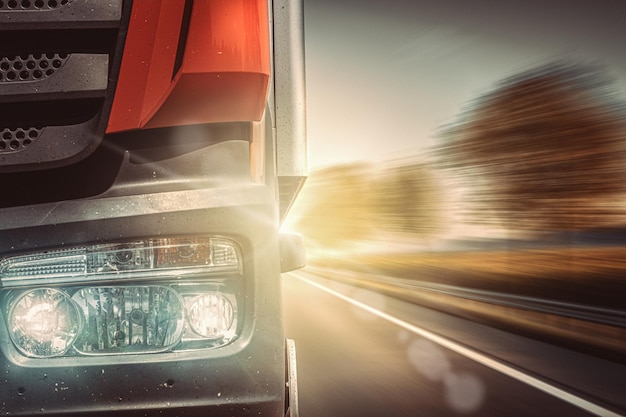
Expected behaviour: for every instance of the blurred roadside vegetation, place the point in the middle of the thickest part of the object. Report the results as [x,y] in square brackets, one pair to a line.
[544,151]
[345,205]
[579,275]
[542,157]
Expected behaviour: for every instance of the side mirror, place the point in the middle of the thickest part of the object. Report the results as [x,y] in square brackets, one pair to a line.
[292,251]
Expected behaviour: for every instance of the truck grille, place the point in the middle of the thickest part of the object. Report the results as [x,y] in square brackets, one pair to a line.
[59,61]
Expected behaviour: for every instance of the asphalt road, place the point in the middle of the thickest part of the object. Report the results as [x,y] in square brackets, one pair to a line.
[365,354]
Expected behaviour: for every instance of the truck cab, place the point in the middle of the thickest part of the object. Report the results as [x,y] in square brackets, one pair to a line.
[149,151]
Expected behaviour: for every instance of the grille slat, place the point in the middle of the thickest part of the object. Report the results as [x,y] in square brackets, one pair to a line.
[59,14]
[40,5]
[16,139]
[31,67]
[75,76]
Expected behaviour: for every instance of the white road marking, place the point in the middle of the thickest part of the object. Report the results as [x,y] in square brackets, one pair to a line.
[471,354]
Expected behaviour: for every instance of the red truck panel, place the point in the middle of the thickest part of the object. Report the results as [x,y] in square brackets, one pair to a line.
[224,74]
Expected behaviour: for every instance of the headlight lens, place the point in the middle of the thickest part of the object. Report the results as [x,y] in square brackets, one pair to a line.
[103,304]
[129,319]
[121,320]
[44,322]
[211,315]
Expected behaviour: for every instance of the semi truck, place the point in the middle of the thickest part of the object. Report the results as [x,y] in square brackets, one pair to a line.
[149,151]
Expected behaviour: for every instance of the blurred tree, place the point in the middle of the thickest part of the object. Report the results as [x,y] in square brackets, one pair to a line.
[407,198]
[334,207]
[543,151]
[345,204]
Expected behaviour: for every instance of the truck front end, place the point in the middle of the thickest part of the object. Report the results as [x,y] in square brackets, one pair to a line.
[149,151]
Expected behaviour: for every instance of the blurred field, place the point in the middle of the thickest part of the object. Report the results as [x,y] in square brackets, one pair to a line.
[585,275]
[550,263]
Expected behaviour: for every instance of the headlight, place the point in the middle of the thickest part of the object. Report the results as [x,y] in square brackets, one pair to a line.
[105,305]
[137,319]
[43,322]
[211,315]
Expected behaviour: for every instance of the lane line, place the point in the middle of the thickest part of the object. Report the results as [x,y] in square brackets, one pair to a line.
[471,354]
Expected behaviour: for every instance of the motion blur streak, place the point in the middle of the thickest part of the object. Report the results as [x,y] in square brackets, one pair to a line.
[523,196]
[476,356]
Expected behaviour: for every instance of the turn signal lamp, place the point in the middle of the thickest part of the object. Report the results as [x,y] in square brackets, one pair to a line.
[144,259]
[190,301]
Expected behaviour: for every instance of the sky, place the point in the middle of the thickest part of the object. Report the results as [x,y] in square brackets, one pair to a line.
[384,76]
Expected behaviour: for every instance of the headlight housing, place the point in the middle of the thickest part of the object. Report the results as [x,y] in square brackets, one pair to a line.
[145,296]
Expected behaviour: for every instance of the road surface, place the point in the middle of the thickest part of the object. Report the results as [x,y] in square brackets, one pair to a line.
[364,354]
